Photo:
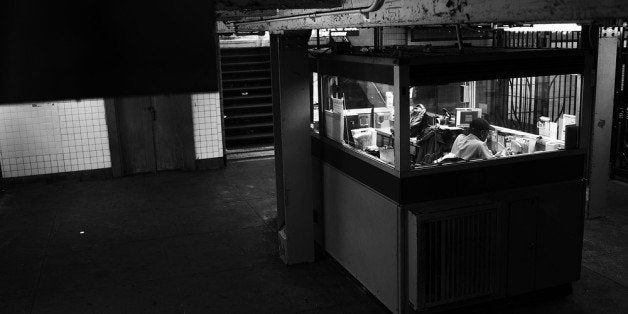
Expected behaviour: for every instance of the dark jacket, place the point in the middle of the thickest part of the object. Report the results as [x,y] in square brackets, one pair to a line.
[430,147]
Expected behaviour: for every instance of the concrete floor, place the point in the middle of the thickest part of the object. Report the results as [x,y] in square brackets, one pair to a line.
[205,242]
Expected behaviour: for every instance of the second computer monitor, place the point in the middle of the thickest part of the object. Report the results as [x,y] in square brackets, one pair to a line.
[464,116]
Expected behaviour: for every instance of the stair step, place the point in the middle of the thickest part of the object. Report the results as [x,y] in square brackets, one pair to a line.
[250,149]
[247,106]
[248,79]
[263,154]
[250,115]
[247,97]
[244,63]
[249,126]
[249,136]
[245,71]
[248,118]
[244,88]
[244,55]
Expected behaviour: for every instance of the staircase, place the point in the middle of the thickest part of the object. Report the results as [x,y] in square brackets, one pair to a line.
[247,100]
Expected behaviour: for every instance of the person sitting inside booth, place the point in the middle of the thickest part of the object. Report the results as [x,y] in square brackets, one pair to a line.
[473,145]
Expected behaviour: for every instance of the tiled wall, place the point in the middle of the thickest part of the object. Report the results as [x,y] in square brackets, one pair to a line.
[394,36]
[207,125]
[391,36]
[364,39]
[66,136]
[53,137]
[230,42]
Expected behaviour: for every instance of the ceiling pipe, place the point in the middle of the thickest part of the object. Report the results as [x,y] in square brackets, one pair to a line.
[375,5]
[459,38]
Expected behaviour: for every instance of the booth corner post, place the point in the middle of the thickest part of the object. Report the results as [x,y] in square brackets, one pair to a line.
[600,146]
[293,160]
[401,102]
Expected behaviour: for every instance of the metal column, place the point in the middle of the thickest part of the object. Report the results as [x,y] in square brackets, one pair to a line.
[293,161]
[608,46]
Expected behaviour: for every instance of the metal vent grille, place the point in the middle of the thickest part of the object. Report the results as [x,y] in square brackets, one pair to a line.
[459,257]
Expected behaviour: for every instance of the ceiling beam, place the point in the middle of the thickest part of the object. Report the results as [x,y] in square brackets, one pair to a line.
[434,12]
[275,4]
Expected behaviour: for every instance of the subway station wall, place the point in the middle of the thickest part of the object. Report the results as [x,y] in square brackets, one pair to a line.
[68,136]
[53,137]
[207,119]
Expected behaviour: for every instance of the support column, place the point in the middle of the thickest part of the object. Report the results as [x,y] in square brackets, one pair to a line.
[293,159]
[608,46]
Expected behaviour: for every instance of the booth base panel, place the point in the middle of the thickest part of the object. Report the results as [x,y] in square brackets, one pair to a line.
[471,250]
[360,230]
[460,251]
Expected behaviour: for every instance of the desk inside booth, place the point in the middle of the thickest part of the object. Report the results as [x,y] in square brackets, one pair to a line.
[385,209]
[432,144]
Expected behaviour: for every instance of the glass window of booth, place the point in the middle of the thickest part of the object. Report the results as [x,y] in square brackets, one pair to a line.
[360,115]
[476,120]
[315,102]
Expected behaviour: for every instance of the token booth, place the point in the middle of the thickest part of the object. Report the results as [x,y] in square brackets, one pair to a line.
[444,179]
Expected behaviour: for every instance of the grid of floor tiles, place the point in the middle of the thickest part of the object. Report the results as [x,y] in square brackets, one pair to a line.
[53,137]
[207,125]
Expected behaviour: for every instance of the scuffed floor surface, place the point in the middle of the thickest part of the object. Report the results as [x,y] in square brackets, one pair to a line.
[205,242]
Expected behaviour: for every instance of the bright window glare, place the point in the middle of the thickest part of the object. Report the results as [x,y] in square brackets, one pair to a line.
[546,28]
[323,32]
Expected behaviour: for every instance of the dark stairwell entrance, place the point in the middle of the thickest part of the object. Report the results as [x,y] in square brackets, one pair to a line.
[247,102]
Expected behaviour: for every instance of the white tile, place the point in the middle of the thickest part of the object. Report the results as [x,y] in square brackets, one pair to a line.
[41,139]
[205,122]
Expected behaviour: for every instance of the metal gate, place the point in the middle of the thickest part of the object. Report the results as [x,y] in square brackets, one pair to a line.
[546,39]
[528,98]
[619,162]
[550,96]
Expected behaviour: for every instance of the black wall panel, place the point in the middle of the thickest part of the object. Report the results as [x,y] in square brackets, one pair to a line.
[71,49]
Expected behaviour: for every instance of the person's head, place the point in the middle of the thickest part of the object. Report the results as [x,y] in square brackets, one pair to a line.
[480,127]
[418,109]
[416,114]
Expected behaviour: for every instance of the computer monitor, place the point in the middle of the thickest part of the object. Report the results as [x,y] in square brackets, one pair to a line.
[464,116]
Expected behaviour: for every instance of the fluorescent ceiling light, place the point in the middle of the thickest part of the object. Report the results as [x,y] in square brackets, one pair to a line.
[546,28]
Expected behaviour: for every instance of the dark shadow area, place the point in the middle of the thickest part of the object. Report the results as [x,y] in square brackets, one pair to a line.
[174,242]
[205,242]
